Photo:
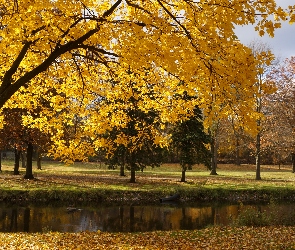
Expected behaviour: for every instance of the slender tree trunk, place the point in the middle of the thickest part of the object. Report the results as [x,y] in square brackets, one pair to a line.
[122,170]
[258,141]
[29,168]
[24,159]
[39,160]
[183,174]
[258,157]
[132,176]
[238,160]
[0,161]
[16,161]
[293,162]
[122,167]
[213,156]
[132,168]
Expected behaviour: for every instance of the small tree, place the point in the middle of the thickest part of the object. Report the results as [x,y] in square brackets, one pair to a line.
[189,138]
[135,157]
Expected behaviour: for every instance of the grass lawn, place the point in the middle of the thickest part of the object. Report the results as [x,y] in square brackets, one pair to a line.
[61,182]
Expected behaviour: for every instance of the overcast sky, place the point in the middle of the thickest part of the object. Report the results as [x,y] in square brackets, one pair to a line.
[282,44]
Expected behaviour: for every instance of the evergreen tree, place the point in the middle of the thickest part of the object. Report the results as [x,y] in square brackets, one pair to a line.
[189,139]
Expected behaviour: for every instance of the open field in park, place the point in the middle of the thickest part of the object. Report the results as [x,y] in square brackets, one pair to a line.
[96,182]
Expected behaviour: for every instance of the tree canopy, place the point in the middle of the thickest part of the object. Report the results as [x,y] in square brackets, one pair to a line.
[68,53]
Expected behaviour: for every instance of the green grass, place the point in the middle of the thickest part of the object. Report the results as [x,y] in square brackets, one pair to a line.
[94,181]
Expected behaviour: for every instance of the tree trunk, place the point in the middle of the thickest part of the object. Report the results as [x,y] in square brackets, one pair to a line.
[238,160]
[24,159]
[183,174]
[132,177]
[213,157]
[29,168]
[258,156]
[16,161]
[0,161]
[132,169]
[38,160]
[122,170]
[293,162]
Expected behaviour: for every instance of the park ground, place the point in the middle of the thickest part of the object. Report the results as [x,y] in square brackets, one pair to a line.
[93,182]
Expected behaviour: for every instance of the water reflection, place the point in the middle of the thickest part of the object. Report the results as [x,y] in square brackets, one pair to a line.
[118,218]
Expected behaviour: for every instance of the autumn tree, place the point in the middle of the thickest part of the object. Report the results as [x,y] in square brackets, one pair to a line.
[78,48]
[235,144]
[134,144]
[265,62]
[21,138]
[281,111]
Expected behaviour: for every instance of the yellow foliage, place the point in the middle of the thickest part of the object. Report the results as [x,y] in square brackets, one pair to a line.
[63,58]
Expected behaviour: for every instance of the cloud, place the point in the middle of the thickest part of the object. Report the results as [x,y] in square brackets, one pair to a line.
[282,44]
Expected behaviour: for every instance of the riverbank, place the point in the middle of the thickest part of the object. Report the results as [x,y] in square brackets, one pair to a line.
[210,238]
[94,183]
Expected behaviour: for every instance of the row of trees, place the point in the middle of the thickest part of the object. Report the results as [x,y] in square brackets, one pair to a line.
[189,143]
[114,75]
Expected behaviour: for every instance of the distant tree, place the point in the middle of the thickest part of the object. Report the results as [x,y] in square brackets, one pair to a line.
[190,140]
[265,61]
[22,138]
[281,111]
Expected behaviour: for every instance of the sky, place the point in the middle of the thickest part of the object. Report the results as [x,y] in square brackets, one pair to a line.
[282,44]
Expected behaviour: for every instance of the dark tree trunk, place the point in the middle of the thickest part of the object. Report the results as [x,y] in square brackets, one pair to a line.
[16,161]
[213,157]
[132,176]
[293,162]
[38,160]
[132,168]
[0,161]
[24,159]
[182,176]
[258,157]
[122,170]
[29,168]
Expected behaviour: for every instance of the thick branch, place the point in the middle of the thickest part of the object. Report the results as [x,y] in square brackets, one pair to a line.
[7,79]
[112,9]
[8,90]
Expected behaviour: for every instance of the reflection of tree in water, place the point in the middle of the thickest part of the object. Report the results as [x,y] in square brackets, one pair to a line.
[196,218]
[26,220]
[13,220]
[128,218]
